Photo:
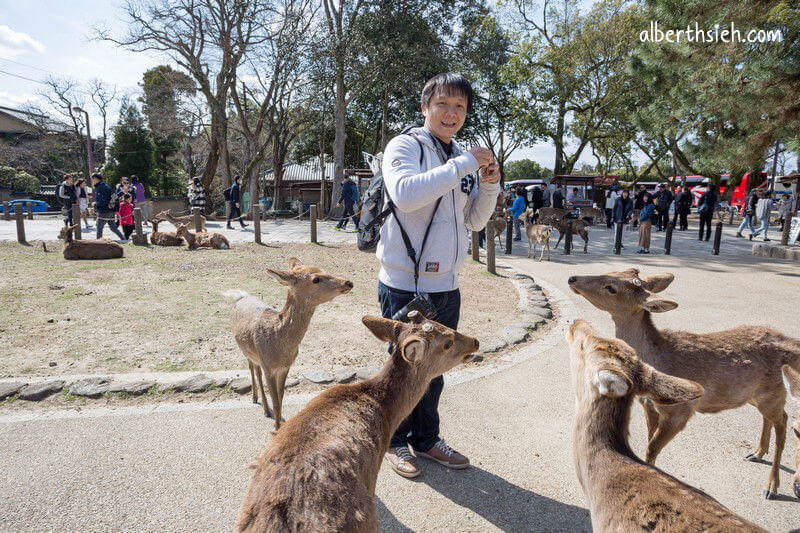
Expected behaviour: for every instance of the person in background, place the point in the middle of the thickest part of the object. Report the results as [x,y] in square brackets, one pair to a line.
[784,207]
[139,198]
[197,194]
[623,209]
[749,211]
[683,206]
[646,216]
[235,212]
[558,199]
[102,198]
[574,196]
[663,199]
[517,208]
[67,197]
[611,201]
[537,201]
[83,200]
[125,215]
[638,201]
[349,198]
[705,208]
[763,212]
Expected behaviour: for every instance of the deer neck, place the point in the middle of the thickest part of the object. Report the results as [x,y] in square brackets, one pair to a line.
[638,330]
[600,435]
[295,317]
[398,387]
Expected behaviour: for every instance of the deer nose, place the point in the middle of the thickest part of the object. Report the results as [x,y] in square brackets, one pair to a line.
[572,279]
[348,284]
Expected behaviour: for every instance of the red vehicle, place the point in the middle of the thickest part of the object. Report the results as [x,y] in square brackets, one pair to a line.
[751,180]
[698,185]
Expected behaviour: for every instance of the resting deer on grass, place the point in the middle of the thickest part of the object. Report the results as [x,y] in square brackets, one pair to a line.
[88,248]
[624,493]
[177,221]
[201,239]
[270,339]
[735,367]
[537,234]
[579,227]
[164,238]
[319,471]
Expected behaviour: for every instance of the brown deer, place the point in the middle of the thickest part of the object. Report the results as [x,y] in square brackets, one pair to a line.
[537,234]
[88,248]
[735,367]
[579,227]
[177,221]
[498,223]
[270,339]
[201,239]
[624,493]
[791,379]
[319,471]
[164,238]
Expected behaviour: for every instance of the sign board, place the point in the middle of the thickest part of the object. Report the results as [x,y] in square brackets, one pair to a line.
[794,230]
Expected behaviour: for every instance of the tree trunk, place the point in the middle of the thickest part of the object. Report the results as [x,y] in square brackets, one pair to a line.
[384,118]
[558,169]
[340,136]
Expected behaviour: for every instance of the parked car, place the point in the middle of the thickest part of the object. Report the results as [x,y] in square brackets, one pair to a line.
[39,206]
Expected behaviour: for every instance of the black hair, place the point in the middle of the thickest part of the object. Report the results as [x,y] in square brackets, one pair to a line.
[134,179]
[98,176]
[80,181]
[448,83]
[237,177]
[127,196]
[197,181]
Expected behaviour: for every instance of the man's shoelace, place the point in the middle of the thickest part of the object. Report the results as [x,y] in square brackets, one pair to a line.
[442,445]
[404,454]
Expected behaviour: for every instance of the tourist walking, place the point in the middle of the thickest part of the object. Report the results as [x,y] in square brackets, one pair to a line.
[705,208]
[67,197]
[663,199]
[517,208]
[646,217]
[197,194]
[140,198]
[683,206]
[749,210]
[537,201]
[623,209]
[784,207]
[125,215]
[611,201]
[83,200]
[349,198]
[638,202]
[763,212]
[235,212]
[558,199]
[104,203]
[428,176]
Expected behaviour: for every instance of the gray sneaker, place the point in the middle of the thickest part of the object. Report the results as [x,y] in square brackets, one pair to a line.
[403,462]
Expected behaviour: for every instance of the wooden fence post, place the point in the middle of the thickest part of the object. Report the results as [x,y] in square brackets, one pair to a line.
[6,212]
[668,239]
[490,249]
[198,222]
[257,223]
[717,238]
[30,211]
[618,238]
[139,238]
[509,234]
[313,216]
[76,220]
[568,239]
[20,224]
[476,253]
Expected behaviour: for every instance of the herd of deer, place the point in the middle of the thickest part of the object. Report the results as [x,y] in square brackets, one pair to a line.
[106,249]
[319,471]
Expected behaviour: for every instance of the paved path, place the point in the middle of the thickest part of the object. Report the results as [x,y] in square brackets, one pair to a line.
[187,469]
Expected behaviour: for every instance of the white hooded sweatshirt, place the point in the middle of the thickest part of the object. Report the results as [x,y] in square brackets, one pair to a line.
[414,189]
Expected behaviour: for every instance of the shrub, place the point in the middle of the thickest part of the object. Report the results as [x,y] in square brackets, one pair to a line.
[19,181]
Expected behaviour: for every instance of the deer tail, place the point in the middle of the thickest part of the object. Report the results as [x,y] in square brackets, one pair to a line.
[235,294]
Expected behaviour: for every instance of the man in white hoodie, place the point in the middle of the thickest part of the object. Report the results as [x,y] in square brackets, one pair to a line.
[439,190]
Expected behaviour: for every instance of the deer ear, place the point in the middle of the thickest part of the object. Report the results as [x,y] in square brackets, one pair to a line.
[658,282]
[284,278]
[294,263]
[412,349]
[383,328]
[611,383]
[659,306]
[791,380]
[668,390]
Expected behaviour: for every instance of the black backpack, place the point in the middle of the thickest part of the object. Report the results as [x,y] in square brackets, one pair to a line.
[227,193]
[369,208]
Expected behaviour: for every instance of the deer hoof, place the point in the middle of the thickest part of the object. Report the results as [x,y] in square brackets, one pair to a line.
[268,414]
[797,489]
[255,400]
[769,495]
[752,458]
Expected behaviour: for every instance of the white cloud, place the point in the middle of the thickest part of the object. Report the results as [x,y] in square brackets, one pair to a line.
[17,100]
[14,43]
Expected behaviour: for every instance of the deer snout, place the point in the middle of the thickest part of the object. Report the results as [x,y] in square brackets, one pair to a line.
[572,279]
[348,286]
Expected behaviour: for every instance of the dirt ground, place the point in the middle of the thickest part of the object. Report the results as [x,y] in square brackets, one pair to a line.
[160,309]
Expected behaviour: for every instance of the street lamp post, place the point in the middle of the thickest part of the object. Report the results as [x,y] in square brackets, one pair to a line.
[89,154]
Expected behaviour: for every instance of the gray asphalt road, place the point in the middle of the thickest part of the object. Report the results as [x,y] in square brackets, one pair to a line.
[188,470]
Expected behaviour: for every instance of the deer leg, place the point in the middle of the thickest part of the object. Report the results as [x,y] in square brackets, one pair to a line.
[763,443]
[272,385]
[796,484]
[670,423]
[650,417]
[585,238]
[531,243]
[774,480]
[280,375]
[559,239]
[264,403]
[253,389]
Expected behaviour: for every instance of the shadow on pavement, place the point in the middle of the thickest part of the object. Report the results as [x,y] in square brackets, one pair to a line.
[388,522]
[507,506]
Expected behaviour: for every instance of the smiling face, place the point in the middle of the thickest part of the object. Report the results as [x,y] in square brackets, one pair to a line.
[445,114]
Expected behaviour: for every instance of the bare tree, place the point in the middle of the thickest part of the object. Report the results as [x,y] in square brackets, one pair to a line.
[103,95]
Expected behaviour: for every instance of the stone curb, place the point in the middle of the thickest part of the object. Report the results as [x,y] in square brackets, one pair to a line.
[777,251]
[533,311]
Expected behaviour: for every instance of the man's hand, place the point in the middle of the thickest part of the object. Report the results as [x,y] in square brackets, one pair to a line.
[339,204]
[238,206]
[483,155]
[490,173]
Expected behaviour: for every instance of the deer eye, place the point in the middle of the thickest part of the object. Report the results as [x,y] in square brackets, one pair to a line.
[611,289]
[315,280]
[448,345]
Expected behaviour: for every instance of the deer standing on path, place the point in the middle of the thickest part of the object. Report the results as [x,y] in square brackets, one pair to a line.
[579,227]
[88,248]
[270,339]
[319,471]
[537,234]
[624,493]
[734,367]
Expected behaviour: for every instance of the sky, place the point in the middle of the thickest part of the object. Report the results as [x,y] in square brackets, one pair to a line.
[39,38]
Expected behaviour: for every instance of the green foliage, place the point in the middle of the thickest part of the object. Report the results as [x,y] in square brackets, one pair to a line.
[19,180]
[525,169]
[133,150]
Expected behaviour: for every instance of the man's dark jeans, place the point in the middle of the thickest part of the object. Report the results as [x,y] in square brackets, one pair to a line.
[349,211]
[663,218]
[235,213]
[421,428]
[107,217]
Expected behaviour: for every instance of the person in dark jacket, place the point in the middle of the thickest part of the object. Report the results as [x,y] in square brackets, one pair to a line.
[102,198]
[749,212]
[235,212]
[638,202]
[348,198]
[663,198]
[537,201]
[558,199]
[705,207]
[683,205]
[67,197]
[623,209]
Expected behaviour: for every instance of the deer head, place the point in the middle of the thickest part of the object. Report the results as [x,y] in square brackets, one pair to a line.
[309,283]
[429,347]
[609,367]
[67,232]
[624,293]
